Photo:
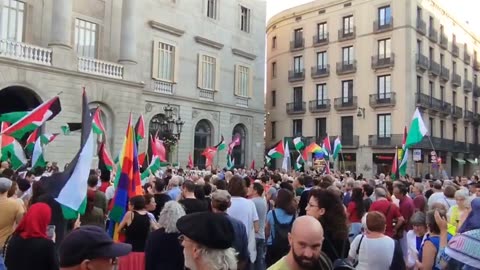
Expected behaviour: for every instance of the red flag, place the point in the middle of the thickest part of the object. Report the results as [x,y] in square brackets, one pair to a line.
[327,167]
[252,166]
[141,158]
[190,161]
[327,144]
[233,143]
[140,129]
[158,149]
[395,164]
[209,153]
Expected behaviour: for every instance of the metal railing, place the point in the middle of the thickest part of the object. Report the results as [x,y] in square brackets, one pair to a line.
[456,80]
[319,105]
[346,103]
[296,75]
[25,52]
[444,74]
[468,116]
[422,61]
[391,141]
[421,26]
[386,25]
[467,58]
[99,67]
[297,44]
[383,61]
[346,33]
[476,91]
[320,71]
[467,85]
[455,50]
[320,40]
[383,100]
[476,65]
[346,67]
[443,41]
[296,108]
[457,112]
[434,68]
[432,34]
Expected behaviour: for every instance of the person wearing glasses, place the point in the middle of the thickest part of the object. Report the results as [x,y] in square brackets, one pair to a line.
[90,248]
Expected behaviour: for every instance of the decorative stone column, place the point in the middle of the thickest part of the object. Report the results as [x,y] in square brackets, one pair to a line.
[128,37]
[61,31]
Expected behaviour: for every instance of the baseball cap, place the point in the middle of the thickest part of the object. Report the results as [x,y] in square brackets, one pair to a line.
[88,243]
[208,229]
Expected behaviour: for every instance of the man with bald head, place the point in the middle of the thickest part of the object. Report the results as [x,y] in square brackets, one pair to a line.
[306,239]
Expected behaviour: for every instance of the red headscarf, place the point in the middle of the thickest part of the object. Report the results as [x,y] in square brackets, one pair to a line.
[34,223]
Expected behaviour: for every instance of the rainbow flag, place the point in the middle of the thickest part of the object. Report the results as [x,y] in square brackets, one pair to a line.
[313,148]
[129,184]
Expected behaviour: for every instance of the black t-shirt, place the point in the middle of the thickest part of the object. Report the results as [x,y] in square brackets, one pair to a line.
[428,193]
[194,205]
[32,253]
[160,199]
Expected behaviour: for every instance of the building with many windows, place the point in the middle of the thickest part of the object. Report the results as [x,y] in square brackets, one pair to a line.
[358,69]
[204,58]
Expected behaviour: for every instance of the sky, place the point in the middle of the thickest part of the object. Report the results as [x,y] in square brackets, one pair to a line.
[466,9]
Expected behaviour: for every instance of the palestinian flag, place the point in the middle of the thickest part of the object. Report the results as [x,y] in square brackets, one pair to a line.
[104,157]
[47,138]
[230,162]
[37,157]
[298,163]
[12,117]
[221,145]
[97,125]
[404,156]
[337,147]
[32,138]
[71,127]
[34,119]
[395,165]
[327,145]
[277,151]
[235,141]
[69,188]
[12,149]
[297,142]
[140,129]
[209,153]
[267,160]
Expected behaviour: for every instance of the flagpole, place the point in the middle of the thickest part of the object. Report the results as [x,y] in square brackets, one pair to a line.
[343,160]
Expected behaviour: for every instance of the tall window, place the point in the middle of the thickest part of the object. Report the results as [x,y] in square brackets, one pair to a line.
[454,133]
[432,125]
[274,98]
[298,96]
[347,130]
[466,135]
[274,69]
[202,140]
[454,99]
[419,13]
[419,46]
[465,101]
[298,64]
[297,127]
[442,93]
[431,89]
[347,91]
[465,73]
[431,22]
[347,55]
[164,62]
[321,94]
[384,48]
[384,16]
[348,25]
[212,9]
[274,42]
[384,86]
[86,38]
[442,128]
[384,126]
[239,151]
[475,135]
[322,31]
[442,60]
[475,106]
[419,84]
[322,60]
[244,19]
[242,81]
[320,128]
[454,67]
[208,69]
[13,20]
[298,35]
[454,39]
[274,128]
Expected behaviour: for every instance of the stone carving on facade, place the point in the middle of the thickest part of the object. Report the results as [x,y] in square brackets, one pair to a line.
[148,107]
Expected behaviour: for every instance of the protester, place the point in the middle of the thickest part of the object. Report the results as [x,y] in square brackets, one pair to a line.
[174,190]
[161,197]
[256,196]
[416,237]
[437,195]
[30,239]
[100,200]
[459,209]
[367,193]
[11,211]
[93,215]
[188,199]
[355,211]
[163,250]
[419,201]
[389,210]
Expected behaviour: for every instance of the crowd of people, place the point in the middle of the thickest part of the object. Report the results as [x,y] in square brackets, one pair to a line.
[247,220]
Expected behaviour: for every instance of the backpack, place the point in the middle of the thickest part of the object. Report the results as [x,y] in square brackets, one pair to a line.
[280,243]
[342,263]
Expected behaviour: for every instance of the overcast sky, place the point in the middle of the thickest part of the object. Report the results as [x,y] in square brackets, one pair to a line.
[466,9]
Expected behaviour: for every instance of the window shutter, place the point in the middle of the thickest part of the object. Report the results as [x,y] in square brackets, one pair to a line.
[155,60]
[199,71]
[250,82]
[217,74]
[176,63]
[235,80]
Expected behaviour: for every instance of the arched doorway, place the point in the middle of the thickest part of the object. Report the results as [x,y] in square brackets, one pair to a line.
[202,140]
[239,151]
[155,128]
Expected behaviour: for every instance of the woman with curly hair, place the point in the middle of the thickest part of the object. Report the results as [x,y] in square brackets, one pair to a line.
[327,207]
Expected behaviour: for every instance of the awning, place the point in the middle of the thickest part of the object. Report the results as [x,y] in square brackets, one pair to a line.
[472,161]
[460,161]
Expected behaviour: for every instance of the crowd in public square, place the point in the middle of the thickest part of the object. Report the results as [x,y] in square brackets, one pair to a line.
[245,219]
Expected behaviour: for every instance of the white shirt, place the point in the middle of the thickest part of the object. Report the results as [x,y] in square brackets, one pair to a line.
[374,253]
[245,211]
[110,192]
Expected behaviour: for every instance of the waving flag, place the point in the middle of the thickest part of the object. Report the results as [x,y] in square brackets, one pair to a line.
[235,141]
[267,160]
[404,157]
[104,157]
[221,145]
[313,148]
[327,145]
[395,165]
[209,153]
[230,162]
[298,143]
[190,161]
[46,111]
[417,130]
[12,149]
[337,148]
[277,151]
[140,129]
[30,143]
[98,127]
[12,117]
[37,157]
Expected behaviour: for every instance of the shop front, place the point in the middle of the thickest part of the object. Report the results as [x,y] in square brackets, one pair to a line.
[347,162]
[383,162]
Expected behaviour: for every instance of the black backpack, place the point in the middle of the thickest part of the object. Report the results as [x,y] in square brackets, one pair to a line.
[280,243]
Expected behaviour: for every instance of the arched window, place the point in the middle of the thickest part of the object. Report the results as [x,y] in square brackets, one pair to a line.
[203,139]
[155,128]
[239,151]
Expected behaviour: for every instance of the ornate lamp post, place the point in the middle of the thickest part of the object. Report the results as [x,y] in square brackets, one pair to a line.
[167,126]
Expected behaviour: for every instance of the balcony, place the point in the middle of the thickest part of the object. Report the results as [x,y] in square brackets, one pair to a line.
[241,101]
[346,67]
[296,108]
[297,44]
[421,26]
[476,65]
[422,62]
[446,109]
[443,41]
[349,141]
[25,52]
[346,103]
[456,80]
[163,87]
[320,40]
[100,68]
[296,75]
[346,34]
[319,105]
[424,101]
[320,71]
[455,50]
[444,74]
[476,91]
[434,68]
[206,94]
[382,100]
[476,119]
[383,61]
[467,58]
[382,26]
[439,143]
[436,105]
[391,141]
[468,116]
[459,147]
[475,148]
[457,112]
[432,34]
[467,86]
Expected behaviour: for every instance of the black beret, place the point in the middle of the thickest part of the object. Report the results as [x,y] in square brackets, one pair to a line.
[208,229]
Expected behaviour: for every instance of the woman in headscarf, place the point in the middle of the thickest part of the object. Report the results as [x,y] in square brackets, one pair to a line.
[31,239]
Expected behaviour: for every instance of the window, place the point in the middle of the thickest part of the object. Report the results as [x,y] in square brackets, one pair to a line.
[454,39]
[419,12]
[239,151]
[454,67]
[347,130]
[431,22]
[274,42]
[384,87]
[297,127]
[384,126]
[274,129]
[274,69]
[243,81]
[454,99]
[347,55]
[431,56]
[322,31]
[202,140]
[442,60]
[298,96]
[442,127]
[384,48]
[207,72]
[347,91]
[298,64]
[475,106]
[466,134]
[431,89]
[12,20]
[348,25]
[274,98]
[419,46]
[454,134]
[465,73]
[164,61]
[384,16]
[442,29]
[466,103]
[442,93]
[212,9]
[475,135]
[244,19]
[321,94]
[320,128]
[298,35]
[322,60]
[432,126]
[419,84]
[86,38]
